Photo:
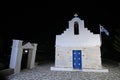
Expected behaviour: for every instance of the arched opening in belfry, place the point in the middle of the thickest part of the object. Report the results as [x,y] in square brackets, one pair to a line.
[76,28]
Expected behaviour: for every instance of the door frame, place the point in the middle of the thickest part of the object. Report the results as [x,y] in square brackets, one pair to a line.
[79,59]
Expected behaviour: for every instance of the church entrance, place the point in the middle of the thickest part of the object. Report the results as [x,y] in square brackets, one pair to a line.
[77,59]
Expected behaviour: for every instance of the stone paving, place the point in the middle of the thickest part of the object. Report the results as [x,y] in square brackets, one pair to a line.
[43,72]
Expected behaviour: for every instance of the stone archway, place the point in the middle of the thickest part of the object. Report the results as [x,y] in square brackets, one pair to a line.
[17,53]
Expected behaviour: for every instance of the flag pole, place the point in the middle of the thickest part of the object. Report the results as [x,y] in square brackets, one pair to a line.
[102,29]
[100,41]
[100,34]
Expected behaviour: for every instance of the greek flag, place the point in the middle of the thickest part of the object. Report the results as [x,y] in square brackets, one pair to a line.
[102,29]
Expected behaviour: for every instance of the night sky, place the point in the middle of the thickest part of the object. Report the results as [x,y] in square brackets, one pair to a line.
[42,21]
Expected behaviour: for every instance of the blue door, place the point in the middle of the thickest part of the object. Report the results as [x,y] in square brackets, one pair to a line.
[77,59]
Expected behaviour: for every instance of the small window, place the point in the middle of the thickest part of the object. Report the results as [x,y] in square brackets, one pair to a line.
[76,28]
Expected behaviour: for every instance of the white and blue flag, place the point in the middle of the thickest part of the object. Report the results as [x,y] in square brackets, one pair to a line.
[102,29]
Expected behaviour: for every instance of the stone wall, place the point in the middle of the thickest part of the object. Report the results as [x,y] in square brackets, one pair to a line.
[91,57]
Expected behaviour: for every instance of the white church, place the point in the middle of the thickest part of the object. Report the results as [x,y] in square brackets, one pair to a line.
[78,49]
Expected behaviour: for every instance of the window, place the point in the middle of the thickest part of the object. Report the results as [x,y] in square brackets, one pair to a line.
[76,28]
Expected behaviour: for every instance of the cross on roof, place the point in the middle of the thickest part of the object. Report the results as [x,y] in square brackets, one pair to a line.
[75,14]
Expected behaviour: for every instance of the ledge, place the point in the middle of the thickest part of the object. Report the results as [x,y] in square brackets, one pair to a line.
[82,70]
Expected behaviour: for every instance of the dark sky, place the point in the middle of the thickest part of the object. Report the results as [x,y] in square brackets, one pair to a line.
[54,15]
[40,22]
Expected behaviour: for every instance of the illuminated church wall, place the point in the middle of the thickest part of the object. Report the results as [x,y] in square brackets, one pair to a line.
[77,38]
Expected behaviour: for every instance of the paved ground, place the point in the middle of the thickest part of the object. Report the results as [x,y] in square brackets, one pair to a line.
[42,72]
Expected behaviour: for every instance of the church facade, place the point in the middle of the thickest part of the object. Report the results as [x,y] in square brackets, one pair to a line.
[77,48]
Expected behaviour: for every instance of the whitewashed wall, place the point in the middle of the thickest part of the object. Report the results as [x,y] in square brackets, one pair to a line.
[91,57]
[86,41]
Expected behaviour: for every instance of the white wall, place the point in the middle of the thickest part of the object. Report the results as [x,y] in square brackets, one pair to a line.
[84,39]
[91,57]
